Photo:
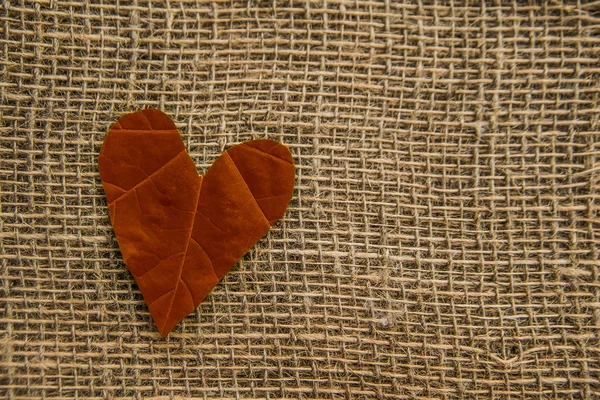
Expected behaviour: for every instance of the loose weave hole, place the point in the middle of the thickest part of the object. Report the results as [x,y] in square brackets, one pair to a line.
[443,237]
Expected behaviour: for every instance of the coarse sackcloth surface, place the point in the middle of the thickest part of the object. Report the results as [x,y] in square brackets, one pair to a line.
[442,241]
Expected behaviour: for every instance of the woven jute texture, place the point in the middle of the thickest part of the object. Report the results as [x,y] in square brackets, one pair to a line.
[443,237]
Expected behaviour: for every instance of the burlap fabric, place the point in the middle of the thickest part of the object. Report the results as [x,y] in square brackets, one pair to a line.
[442,241]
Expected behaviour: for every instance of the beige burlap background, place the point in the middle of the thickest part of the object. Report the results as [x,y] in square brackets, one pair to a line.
[442,241]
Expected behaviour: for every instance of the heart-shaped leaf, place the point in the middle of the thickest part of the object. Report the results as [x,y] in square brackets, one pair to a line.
[180,232]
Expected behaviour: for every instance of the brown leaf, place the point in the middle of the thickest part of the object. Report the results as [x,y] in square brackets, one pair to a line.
[179,232]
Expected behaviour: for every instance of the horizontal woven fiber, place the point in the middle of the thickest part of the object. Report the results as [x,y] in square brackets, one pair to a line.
[442,240]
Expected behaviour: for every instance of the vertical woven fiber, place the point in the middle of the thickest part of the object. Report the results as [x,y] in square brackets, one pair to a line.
[442,241]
